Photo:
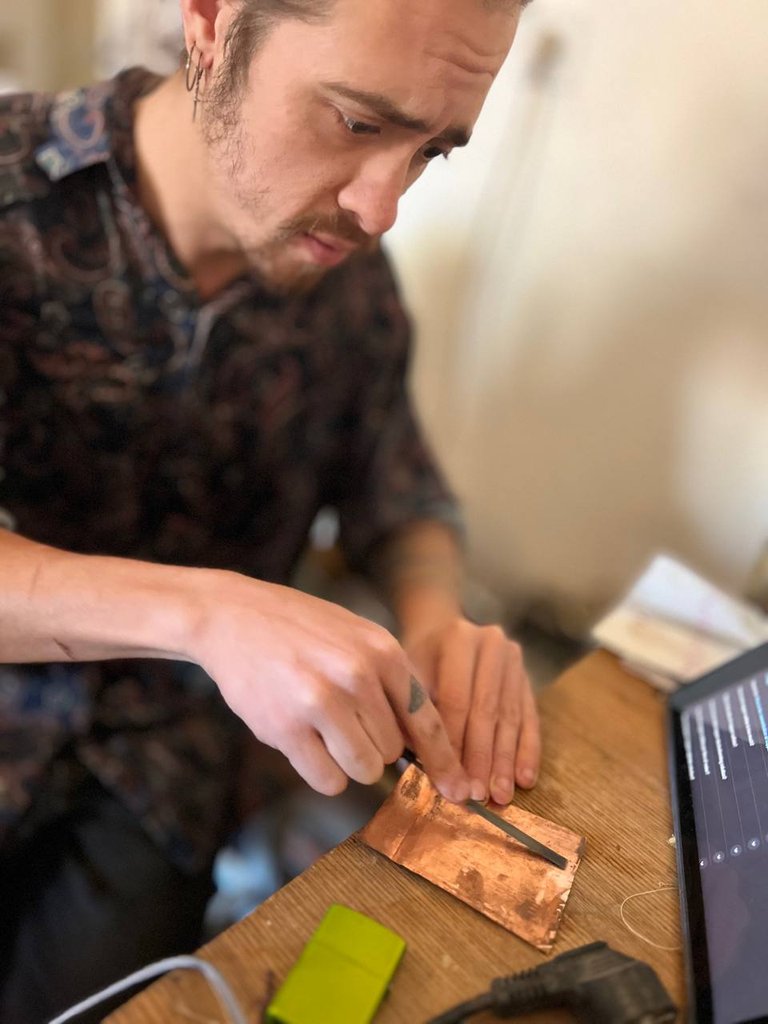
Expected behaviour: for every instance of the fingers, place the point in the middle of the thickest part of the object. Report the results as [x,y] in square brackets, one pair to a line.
[529,743]
[352,749]
[358,728]
[381,726]
[347,742]
[309,756]
[488,710]
[362,742]
[508,731]
[516,743]
[422,724]
[396,699]
[487,718]
[456,665]
[343,748]
[490,681]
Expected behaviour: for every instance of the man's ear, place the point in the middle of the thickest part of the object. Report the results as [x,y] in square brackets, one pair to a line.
[201,22]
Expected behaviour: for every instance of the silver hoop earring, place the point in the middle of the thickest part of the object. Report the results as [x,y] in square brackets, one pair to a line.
[197,74]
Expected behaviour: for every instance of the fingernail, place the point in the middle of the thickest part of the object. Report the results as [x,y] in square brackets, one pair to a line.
[502,790]
[527,777]
[478,791]
[456,792]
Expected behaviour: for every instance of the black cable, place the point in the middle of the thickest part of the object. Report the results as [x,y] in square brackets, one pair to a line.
[458,1014]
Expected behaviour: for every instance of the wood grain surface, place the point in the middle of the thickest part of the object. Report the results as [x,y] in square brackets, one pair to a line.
[604,776]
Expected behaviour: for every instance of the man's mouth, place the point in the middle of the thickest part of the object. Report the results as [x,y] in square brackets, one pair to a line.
[326,250]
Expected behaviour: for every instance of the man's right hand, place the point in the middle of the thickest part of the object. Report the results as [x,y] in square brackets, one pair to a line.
[334,692]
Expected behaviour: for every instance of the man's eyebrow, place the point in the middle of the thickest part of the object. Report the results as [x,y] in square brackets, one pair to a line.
[388,111]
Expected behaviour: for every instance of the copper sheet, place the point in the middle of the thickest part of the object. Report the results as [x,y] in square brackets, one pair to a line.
[474,861]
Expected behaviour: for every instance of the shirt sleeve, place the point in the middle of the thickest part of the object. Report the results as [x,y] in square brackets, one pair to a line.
[389,475]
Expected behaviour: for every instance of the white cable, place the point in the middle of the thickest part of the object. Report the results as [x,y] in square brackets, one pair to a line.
[214,978]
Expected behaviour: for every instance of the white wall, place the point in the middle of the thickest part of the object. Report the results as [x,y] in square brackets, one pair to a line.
[130,32]
[46,44]
[590,283]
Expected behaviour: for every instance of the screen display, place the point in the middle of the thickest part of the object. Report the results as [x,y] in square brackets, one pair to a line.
[725,739]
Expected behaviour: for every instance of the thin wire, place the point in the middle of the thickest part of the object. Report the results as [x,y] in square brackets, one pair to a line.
[214,978]
[627,925]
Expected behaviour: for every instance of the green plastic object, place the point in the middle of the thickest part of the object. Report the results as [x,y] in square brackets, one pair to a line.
[342,974]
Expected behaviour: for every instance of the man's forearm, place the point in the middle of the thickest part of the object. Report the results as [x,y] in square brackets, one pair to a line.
[420,571]
[60,606]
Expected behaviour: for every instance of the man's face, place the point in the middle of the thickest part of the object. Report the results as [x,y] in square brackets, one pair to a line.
[337,119]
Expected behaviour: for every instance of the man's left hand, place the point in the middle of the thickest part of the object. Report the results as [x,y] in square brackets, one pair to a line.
[477,679]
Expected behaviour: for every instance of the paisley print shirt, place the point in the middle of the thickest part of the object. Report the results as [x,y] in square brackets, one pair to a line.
[138,420]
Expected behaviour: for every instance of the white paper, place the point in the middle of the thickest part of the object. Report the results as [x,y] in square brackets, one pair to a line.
[674,625]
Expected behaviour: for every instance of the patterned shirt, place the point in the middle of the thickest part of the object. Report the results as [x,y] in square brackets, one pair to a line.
[138,420]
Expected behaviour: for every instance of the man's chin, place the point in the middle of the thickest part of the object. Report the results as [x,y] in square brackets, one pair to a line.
[285,276]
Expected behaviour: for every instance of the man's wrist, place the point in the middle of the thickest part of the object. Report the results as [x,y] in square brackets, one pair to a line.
[421,573]
[422,610]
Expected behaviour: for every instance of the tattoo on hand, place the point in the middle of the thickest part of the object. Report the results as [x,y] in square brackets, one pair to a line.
[418,696]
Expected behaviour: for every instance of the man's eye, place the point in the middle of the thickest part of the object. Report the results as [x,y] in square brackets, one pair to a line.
[359,127]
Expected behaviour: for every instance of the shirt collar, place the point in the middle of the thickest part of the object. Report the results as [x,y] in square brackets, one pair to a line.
[93,124]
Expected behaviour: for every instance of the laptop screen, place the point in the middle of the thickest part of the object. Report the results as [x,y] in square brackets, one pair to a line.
[720,751]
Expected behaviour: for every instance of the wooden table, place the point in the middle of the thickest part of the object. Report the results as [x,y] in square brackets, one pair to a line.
[604,776]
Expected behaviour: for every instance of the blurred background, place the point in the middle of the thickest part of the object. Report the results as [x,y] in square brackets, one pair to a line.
[589,285]
[588,281]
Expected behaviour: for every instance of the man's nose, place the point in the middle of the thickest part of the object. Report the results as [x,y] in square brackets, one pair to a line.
[373,194]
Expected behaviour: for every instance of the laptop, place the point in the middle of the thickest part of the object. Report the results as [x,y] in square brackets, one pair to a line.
[718,758]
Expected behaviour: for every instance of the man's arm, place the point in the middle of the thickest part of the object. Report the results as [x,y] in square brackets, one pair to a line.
[330,689]
[474,673]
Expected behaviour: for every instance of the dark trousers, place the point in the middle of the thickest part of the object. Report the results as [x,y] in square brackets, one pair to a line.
[84,901]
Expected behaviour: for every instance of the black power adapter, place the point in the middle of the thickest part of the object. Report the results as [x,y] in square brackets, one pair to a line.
[596,983]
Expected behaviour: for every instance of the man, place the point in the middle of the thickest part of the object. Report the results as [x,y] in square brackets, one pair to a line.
[200,346]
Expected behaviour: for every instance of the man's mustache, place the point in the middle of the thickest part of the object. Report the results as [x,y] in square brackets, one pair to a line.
[336,225]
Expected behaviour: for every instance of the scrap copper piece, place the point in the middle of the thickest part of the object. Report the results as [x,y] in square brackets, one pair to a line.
[474,861]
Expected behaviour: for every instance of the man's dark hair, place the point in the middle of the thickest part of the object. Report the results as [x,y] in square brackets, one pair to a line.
[255,18]
[252,24]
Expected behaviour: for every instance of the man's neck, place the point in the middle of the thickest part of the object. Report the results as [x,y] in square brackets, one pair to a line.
[174,190]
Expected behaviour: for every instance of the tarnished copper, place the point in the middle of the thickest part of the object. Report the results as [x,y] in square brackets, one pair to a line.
[471,859]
